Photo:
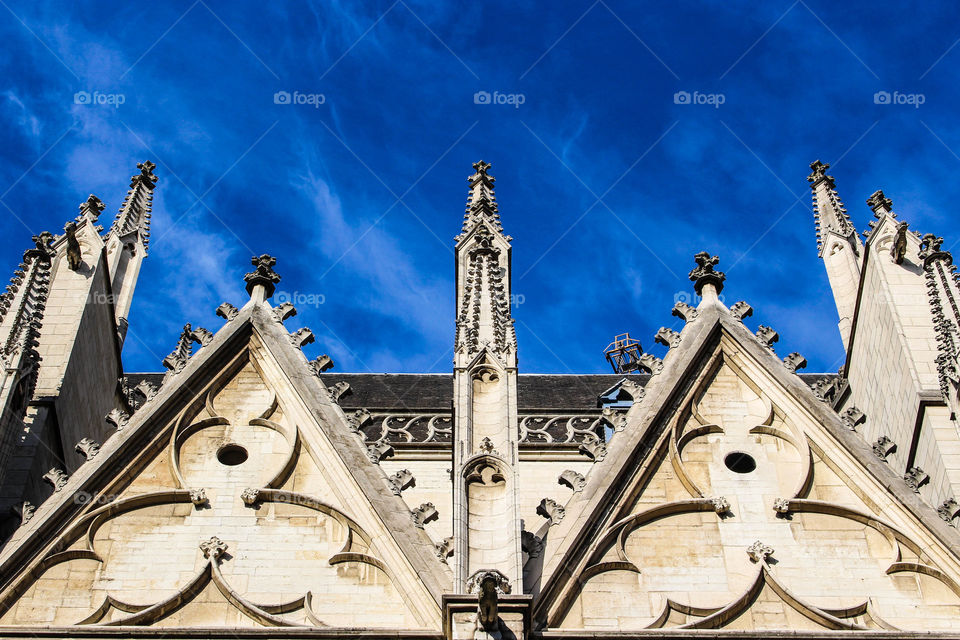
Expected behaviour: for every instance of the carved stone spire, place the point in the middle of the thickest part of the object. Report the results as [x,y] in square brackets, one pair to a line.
[134,214]
[481,202]
[838,245]
[704,273]
[264,277]
[943,289]
[880,204]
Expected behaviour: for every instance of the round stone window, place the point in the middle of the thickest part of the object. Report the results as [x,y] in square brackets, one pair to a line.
[740,462]
[232,455]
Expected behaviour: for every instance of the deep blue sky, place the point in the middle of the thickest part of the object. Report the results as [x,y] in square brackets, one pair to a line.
[318,186]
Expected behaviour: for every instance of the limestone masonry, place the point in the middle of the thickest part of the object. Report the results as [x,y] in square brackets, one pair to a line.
[711,491]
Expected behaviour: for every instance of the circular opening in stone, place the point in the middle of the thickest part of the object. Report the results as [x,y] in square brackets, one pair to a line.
[232,455]
[740,462]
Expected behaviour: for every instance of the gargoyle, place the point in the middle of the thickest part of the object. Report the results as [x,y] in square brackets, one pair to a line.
[74,255]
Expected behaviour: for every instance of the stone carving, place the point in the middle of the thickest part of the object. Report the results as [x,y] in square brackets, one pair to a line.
[781,506]
[214,548]
[24,511]
[759,552]
[635,390]
[684,311]
[667,337]
[593,448]
[87,448]
[134,215]
[227,311]
[741,310]
[57,478]
[651,363]
[74,253]
[616,419]
[92,207]
[502,583]
[795,361]
[818,173]
[486,446]
[531,544]
[562,428]
[250,496]
[880,204]
[916,478]
[720,505]
[898,248]
[378,451]
[339,390]
[445,549]
[423,514]
[853,417]
[302,337]
[948,510]
[201,336]
[401,480]
[704,272]
[426,427]
[283,311]
[551,510]
[359,418]
[118,418]
[767,336]
[883,447]
[572,479]
[264,275]
[320,364]
[828,389]
[178,358]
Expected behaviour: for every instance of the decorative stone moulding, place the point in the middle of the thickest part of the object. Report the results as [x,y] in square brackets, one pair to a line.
[949,510]
[572,479]
[767,336]
[118,418]
[88,448]
[781,506]
[227,311]
[551,510]
[759,552]
[378,451]
[320,364]
[593,448]
[214,548]
[198,496]
[883,447]
[57,478]
[250,496]
[684,311]
[24,511]
[741,310]
[283,311]
[853,417]
[916,478]
[667,337]
[339,390]
[720,505]
[302,337]
[794,362]
[424,514]
[445,549]
[401,480]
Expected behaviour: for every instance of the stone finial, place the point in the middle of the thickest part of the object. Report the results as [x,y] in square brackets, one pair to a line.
[853,417]
[794,362]
[24,511]
[720,505]
[667,337]
[781,506]
[880,204]
[759,552]
[593,448]
[74,252]
[572,479]
[379,450]
[445,549]
[57,478]
[302,337]
[198,496]
[930,250]
[741,310]
[551,510]
[146,171]
[92,207]
[118,418]
[339,390]
[916,478]
[883,447]
[401,480]
[704,272]
[819,172]
[767,336]
[227,311]
[898,248]
[264,275]
[423,514]
[283,311]
[214,548]
[486,446]
[531,544]
[88,448]
[320,364]
[684,311]
[250,496]
[949,510]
